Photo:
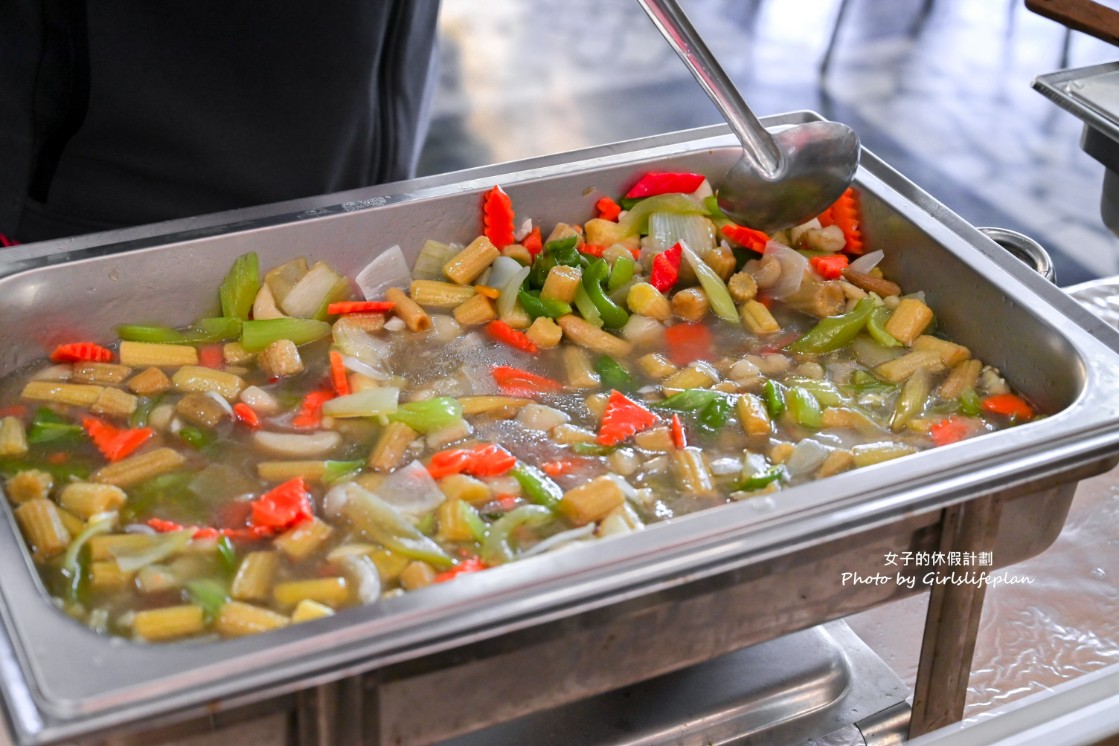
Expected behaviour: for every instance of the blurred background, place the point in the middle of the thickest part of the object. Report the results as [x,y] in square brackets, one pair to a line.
[940,89]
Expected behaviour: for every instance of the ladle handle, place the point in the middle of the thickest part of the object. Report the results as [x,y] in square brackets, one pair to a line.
[675,27]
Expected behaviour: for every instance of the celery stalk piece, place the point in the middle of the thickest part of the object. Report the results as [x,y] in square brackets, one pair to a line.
[369,403]
[239,288]
[385,524]
[713,285]
[803,407]
[338,470]
[256,335]
[203,331]
[636,220]
[497,548]
[428,415]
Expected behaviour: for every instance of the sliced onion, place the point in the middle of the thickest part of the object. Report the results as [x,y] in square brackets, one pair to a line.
[502,270]
[793,265]
[867,262]
[363,346]
[411,490]
[806,457]
[140,528]
[558,540]
[432,257]
[336,498]
[666,229]
[524,230]
[388,270]
[163,546]
[321,284]
[507,300]
[352,364]
[221,403]
[360,569]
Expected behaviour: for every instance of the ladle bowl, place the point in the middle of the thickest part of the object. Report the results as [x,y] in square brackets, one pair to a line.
[782,179]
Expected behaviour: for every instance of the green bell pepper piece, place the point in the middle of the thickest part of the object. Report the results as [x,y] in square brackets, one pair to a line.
[876,327]
[621,272]
[613,374]
[803,407]
[689,400]
[761,479]
[613,315]
[773,394]
[535,306]
[835,332]
[714,415]
[537,486]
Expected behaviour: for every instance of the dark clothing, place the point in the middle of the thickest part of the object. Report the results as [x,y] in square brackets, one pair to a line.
[124,112]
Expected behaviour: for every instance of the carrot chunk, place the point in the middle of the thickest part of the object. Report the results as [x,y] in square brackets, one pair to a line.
[81,352]
[497,217]
[622,419]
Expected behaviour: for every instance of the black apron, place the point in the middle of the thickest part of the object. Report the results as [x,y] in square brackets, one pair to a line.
[125,112]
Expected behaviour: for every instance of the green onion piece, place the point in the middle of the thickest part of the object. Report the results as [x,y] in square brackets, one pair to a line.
[209,594]
[876,327]
[613,374]
[473,520]
[537,486]
[592,449]
[497,548]
[835,332]
[385,524]
[256,335]
[761,479]
[803,407]
[368,403]
[144,407]
[47,426]
[227,553]
[239,288]
[336,470]
[774,395]
[428,415]
[970,403]
[717,294]
[621,273]
[689,400]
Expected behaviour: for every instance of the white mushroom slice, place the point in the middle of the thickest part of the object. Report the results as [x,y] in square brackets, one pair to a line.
[260,401]
[297,445]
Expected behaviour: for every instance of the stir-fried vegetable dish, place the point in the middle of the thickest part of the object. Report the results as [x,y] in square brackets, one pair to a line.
[327,442]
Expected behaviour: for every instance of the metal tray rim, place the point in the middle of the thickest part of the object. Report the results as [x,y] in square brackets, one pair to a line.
[925,488]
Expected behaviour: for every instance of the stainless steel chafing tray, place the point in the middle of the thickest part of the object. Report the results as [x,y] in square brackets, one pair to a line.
[710,582]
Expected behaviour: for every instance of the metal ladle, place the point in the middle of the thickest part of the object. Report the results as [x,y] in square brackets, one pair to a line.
[782,179]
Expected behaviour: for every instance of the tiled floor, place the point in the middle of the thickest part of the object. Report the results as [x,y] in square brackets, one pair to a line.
[946,100]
